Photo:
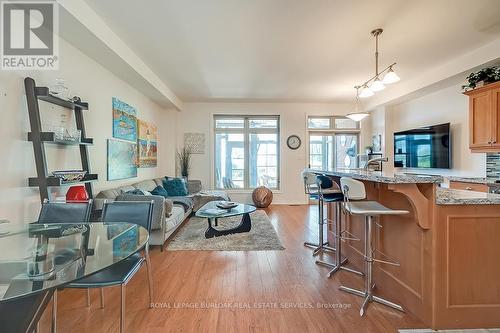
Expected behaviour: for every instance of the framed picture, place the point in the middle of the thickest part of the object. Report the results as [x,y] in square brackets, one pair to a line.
[122,159]
[147,144]
[195,142]
[124,121]
[377,143]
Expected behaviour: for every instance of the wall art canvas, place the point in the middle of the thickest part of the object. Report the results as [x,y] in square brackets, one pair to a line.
[377,143]
[195,142]
[147,144]
[124,121]
[122,159]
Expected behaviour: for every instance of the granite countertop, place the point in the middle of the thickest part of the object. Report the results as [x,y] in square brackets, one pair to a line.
[382,176]
[476,180]
[447,196]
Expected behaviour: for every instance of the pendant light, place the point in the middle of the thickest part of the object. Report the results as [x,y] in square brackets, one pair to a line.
[391,77]
[375,83]
[358,115]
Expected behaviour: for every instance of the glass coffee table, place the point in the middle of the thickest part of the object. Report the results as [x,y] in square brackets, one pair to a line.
[211,212]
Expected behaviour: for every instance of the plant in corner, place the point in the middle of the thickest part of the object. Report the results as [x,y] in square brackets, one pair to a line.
[482,77]
[184,159]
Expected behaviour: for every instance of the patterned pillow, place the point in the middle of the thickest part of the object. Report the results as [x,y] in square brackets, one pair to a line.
[176,187]
[138,192]
[159,190]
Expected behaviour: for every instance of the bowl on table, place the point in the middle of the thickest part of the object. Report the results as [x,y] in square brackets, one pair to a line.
[226,205]
[70,175]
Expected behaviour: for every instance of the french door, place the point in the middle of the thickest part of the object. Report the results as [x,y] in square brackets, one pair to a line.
[333,150]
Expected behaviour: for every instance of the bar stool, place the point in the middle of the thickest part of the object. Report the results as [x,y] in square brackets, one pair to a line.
[312,189]
[355,190]
[329,192]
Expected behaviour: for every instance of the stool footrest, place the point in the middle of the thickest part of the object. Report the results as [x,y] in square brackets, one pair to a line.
[385,259]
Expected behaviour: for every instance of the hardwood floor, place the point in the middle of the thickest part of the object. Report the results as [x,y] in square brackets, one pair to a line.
[292,292]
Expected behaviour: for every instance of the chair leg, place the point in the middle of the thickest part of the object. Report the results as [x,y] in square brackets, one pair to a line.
[54,312]
[88,297]
[122,309]
[150,276]
[102,298]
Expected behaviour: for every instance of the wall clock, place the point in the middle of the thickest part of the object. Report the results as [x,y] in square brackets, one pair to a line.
[293,142]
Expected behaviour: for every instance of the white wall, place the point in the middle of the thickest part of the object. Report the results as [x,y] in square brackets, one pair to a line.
[197,117]
[96,85]
[442,106]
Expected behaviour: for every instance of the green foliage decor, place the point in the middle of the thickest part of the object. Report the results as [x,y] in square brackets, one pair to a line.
[485,76]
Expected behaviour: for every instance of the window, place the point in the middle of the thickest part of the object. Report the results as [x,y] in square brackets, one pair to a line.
[333,142]
[246,151]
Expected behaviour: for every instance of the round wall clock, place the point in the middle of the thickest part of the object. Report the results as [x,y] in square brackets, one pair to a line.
[293,142]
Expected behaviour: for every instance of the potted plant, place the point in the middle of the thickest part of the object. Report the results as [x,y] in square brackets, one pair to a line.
[482,77]
[184,159]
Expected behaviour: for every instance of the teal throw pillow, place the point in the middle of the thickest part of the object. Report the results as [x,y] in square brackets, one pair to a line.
[159,190]
[176,187]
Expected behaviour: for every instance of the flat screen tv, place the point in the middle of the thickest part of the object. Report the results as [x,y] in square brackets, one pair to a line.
[424,147]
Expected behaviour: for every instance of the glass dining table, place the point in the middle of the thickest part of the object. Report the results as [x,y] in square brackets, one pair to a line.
[40,257]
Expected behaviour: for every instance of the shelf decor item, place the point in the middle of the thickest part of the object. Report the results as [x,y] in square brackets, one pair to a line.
[70,175]
[482,77]
[77,193]
[147,145]
[124,121]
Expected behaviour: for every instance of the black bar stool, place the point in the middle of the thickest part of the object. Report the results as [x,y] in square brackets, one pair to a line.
[312,188]
[355,190]
[330,193]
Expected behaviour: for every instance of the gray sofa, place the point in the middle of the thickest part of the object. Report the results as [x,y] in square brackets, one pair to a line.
[168,213]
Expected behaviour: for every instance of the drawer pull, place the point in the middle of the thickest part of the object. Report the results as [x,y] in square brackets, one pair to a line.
[468,188]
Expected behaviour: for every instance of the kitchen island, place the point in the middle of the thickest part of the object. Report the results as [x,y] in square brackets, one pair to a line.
[448,248]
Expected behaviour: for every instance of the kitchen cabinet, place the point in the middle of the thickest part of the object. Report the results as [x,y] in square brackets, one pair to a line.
[484,118]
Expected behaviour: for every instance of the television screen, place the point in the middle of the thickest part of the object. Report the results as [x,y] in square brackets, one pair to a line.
[425,147]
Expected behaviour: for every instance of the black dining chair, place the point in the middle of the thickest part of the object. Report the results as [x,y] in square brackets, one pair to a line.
[120,273]
[22,314]
[63,212]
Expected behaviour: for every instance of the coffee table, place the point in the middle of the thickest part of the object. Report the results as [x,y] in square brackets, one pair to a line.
[211,212]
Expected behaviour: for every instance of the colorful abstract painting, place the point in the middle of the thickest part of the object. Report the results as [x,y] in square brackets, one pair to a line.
[124,121]
[147,144]
[122,159]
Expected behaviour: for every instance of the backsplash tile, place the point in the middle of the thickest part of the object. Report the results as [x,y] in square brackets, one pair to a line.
[493,165]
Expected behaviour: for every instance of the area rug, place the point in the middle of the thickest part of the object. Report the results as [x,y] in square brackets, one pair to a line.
[262,237]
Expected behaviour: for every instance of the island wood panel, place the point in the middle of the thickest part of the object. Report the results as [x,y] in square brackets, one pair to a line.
[467,266]
[402,239]
[469,186]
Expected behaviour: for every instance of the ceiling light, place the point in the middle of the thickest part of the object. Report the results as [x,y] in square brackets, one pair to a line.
[366,92]
[377,85]
[391,77]
[358,116]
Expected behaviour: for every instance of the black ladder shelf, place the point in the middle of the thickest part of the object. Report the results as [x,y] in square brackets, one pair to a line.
[43,181]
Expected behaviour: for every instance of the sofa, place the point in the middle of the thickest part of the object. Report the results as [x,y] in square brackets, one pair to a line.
[168,213]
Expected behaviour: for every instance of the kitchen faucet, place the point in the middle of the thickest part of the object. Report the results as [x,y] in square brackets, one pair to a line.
[374,160]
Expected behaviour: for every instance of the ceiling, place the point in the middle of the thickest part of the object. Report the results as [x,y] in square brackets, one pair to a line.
[293,50]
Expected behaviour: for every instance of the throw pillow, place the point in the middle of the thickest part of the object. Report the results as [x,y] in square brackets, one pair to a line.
[176,187]
[138,192]
[159,190]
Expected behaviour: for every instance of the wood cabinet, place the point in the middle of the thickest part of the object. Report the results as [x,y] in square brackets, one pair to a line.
[477,187]
[484,118]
